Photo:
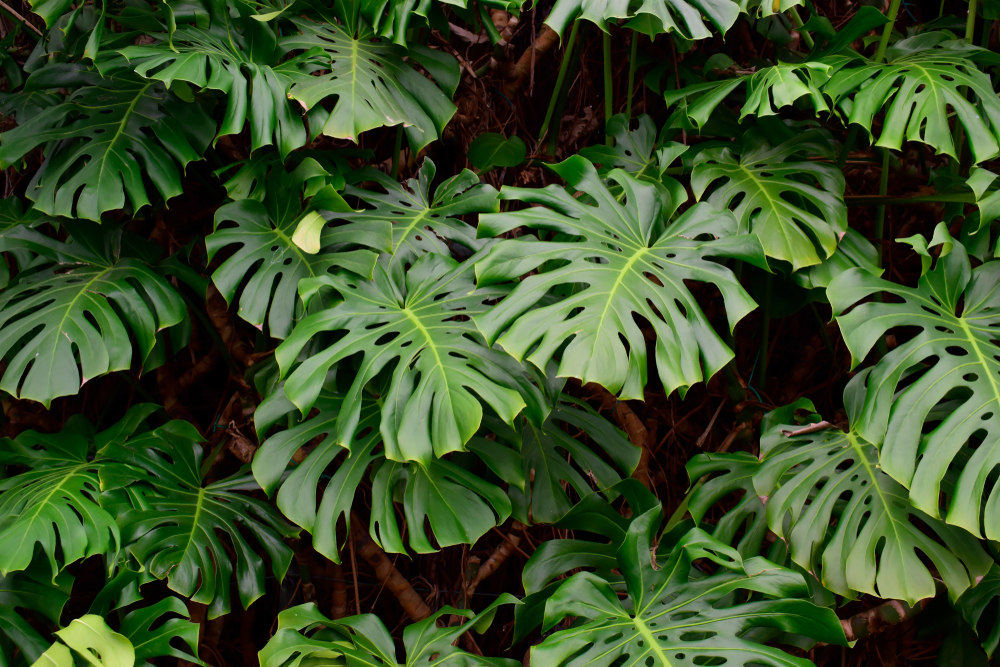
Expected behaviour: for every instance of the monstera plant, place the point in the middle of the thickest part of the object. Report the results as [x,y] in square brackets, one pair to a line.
[485,333]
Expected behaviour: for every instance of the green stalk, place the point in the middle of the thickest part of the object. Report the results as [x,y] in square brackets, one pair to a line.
[608,87]
[887,32]
[970,23]
[793,14]
[631,73]
[883,187]
[560,81]
[852,135]
[397,153]
[765,332]
[491,30]
[560,105]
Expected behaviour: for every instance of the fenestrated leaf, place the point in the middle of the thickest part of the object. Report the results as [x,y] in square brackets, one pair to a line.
[305,635]
[975,604]
[172,528]
[652,17]
[552,457]
[634,274]
[154,642]
[35,590]
[421,223]
[81,312]
[104,139]
[745,519]
[371,82]
[794,206]
[952,359]
[923,82]
[853,251]
[676,614]
[441,367]
[850,523]
[270,256]
[90,638]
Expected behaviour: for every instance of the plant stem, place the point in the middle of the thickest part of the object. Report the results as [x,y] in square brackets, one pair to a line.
[970,23]
[491,29]
[852,135]
[793,14]
[631,73]
[765,332]
[397,154]
[883,187]
[20,19]
[560,107]
[560,81]
[887,32]
[608,87]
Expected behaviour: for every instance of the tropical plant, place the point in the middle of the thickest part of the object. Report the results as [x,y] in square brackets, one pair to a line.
[331,330]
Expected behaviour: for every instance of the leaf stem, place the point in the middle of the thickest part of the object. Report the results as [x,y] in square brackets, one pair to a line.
[765,330]
[396,153]
[887,32]
[608,84]
[793,14]
[633,56]
[970,23]
[560,81]
[883,188]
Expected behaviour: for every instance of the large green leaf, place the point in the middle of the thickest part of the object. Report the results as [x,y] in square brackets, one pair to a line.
[652,17]
[675,613]
[441,367]
[795,206]
[743,523]
[952,359]
[975,606]
[174,523]
[555,462]
[104,139]
[925,80]
[850,523]
[269,255]
[151,634]
[371,82]
[304,635]
[34,590]
[81,311]
[421,223]
[617,270]
[237,56]
[92,642]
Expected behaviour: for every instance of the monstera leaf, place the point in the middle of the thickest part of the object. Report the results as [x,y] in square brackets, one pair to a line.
[421,223]
[269,255]
[851,523]
[652,17]
[104,139]
[371,82]
[81,312]
[623,271]
[974,605]
[555,461]
[743,523]
[304,634]
[952,360]
[239,58]
[173,526]
[923,82]
[853,251]
[794,206]
[677,614]
[34,590]
[442,368]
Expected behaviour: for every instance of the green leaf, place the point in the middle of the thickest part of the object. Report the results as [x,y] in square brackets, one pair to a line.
[851,523]
[925,79]
[677,614]
[155,642]
[34,590]
[638,274]
[553,458]
[81,312]
[491,150]
[439,367]
[743,522]
[307,635]
[92,640]
[975,604]
[853,251]
[652,17]
[174,524]
[421,223]
[373,85]
[274,263]
[103,140]
[783,199]
[952,358]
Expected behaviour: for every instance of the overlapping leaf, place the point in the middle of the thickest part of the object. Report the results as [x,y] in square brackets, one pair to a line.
[795,206]
[420,331]
[104,139]
[952,360]
[975,607]
[620,270]
[676,614]
[743,523]
[923,82]
[652,17]
[850,523]
[173,526]
[34,590]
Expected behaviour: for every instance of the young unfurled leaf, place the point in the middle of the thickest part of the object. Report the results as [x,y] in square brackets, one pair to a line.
[635,274]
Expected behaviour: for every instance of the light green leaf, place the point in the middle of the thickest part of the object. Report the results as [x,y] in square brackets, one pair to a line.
[91,639]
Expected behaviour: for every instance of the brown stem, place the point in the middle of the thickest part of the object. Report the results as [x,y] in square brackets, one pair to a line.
[200,369]
[519,72]
[386,572]
[877,619]
[339,607]
[629,422]
[248,649]
[218,313]
[497,558]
